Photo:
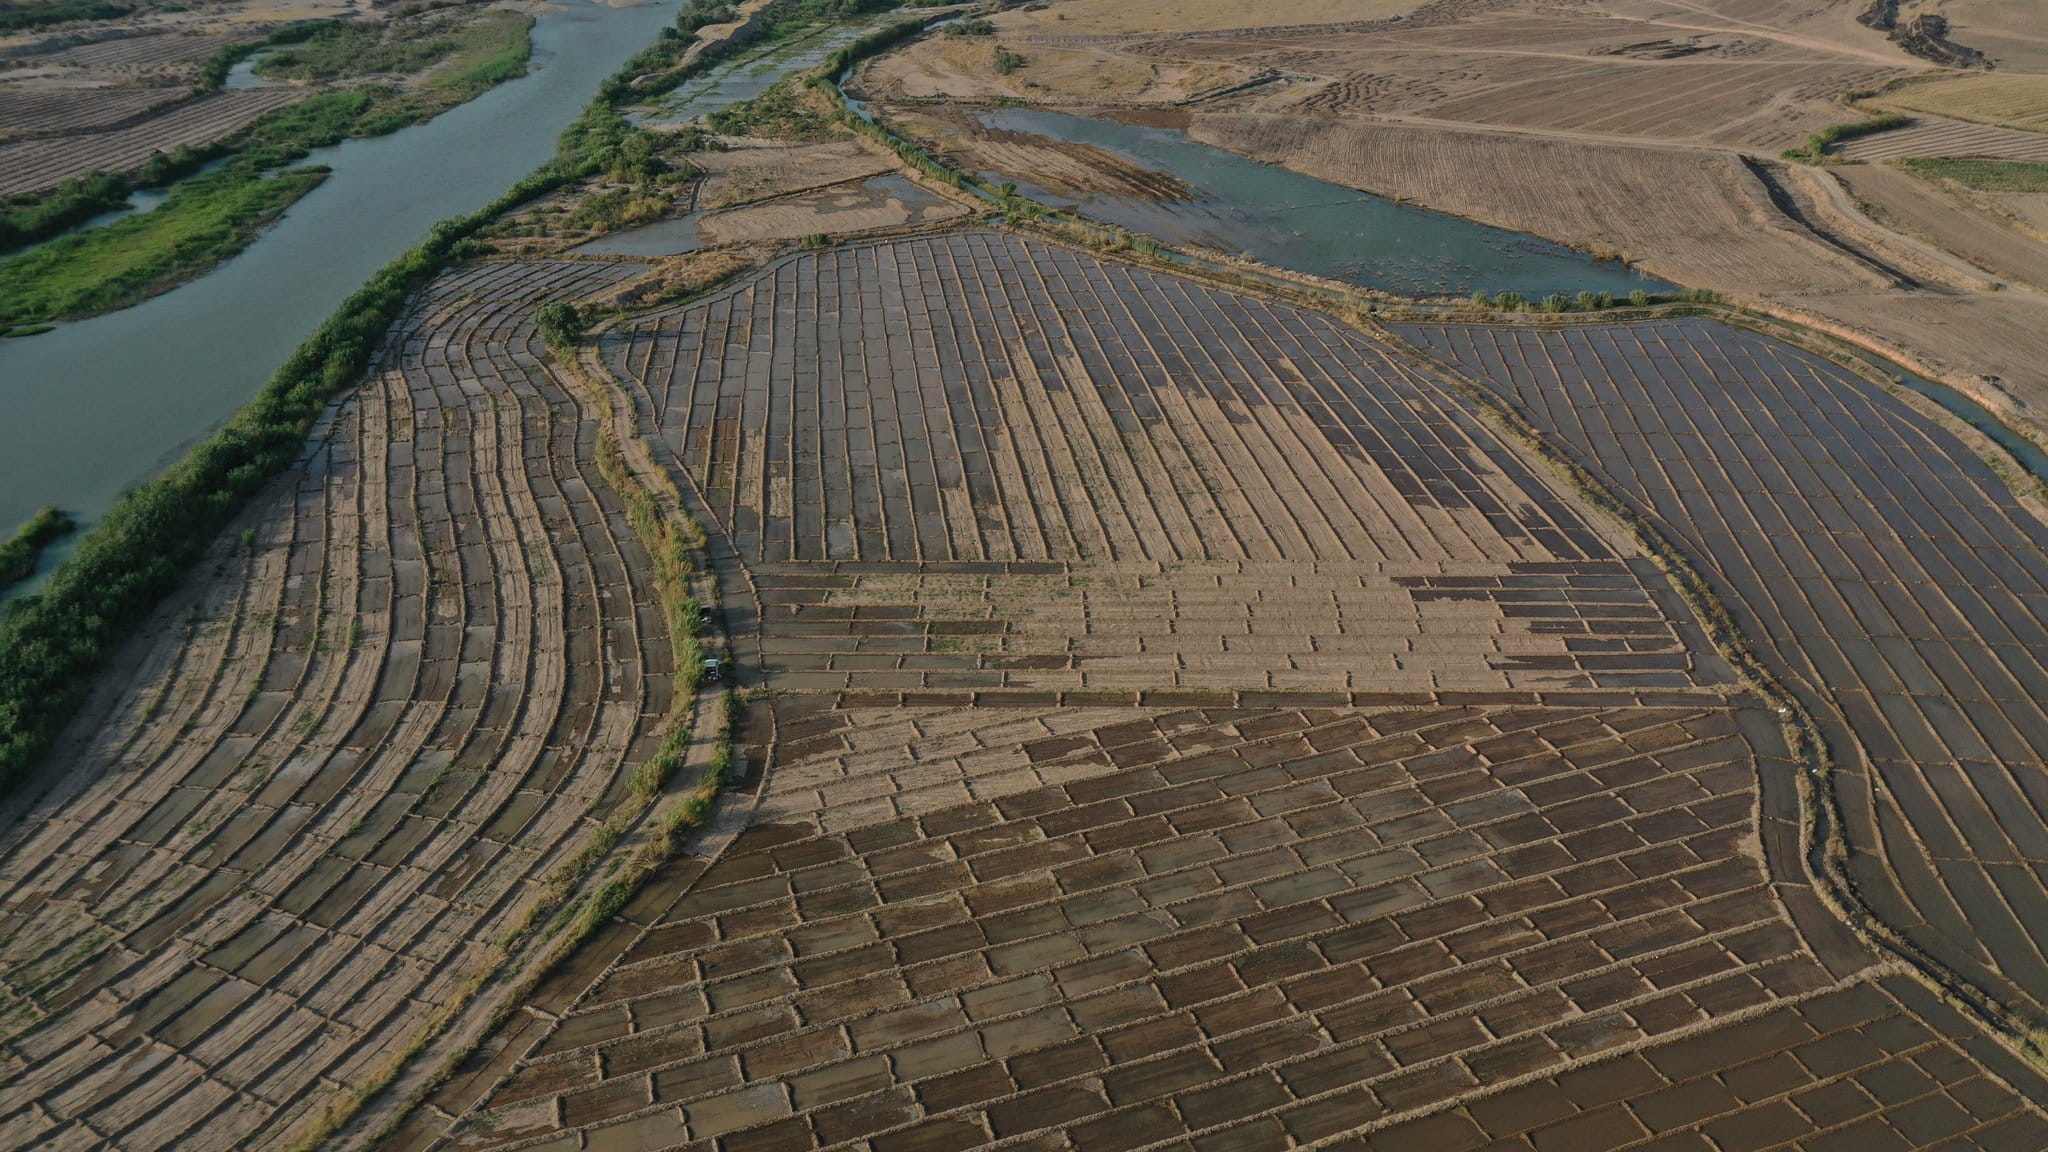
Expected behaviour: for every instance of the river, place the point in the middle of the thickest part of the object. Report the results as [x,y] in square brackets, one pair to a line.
[100,405]
[1283,218]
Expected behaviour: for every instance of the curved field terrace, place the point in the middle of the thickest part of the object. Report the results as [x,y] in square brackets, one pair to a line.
[1885,569]
[337,776]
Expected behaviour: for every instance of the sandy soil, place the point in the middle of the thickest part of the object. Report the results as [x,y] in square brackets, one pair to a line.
[1146,17]
[1922,208]
[890,202]
[2014,99]
[2014,33]
[942,68]
[754,170]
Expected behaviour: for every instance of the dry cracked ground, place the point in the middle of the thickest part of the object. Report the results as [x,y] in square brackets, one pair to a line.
[1176,720]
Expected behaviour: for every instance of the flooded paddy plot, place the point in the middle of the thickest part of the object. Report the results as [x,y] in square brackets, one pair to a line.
[1883,567]
[337,772]
[975,461]
[1258,929]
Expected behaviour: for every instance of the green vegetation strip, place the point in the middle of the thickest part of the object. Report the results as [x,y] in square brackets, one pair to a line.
[19,554]
[1817,145]
[1983,175]
[32,14]
[207,219]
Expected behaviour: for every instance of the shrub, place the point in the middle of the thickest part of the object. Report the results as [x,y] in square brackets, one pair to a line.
[19,554]
[1639,298]
[561,326]
[1007,61]
[1511,302]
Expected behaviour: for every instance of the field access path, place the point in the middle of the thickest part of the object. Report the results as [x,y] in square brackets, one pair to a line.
[338,773]
[1876,561]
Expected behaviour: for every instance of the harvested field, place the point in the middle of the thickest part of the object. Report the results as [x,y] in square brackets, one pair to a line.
[2007,32]
[1586,75]
[36,165]
[1062,167]
[1298,511]
[943,69]
[1933,136]
[1697,218]
[335,776]
[1149,17]
[752,171]
[1997,340]
[2005,98]
[1294,926]
[890,201]
[1919,207]
[132,56]
[1883,568]
[26,113]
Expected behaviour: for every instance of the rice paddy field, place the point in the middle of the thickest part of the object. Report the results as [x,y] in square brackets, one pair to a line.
[1072,806]
[1152,715]
[1882,566]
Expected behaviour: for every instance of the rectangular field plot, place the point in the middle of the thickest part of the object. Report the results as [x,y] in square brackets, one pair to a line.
[1884,567]
[976,461]
[1264,930]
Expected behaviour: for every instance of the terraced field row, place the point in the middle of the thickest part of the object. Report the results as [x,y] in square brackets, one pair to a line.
[1935,136]
[1270,930]
[36,165]
[1876,561]
[1030,469]
[26,113]
[264,860]
[1193,909]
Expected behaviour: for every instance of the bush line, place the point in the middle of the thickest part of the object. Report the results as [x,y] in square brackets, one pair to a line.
[1817,145]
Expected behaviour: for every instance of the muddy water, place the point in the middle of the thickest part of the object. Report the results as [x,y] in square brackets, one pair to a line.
[1286,219]
[100,405]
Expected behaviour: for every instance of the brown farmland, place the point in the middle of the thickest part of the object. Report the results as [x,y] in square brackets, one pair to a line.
[335,779]
[39,164]
[1180,907]
[1884,568]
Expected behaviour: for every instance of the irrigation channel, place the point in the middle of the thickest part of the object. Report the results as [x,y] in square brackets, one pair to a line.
[100,405]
